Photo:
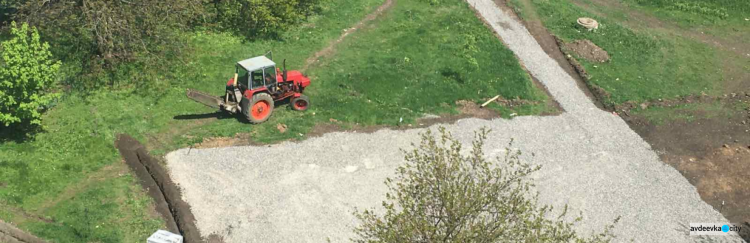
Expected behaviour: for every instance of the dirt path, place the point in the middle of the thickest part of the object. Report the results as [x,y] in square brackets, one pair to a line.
[305,191]
[331,48]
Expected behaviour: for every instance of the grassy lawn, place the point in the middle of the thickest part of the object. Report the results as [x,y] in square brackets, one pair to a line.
[68,184]
[416,59]
[684,112]
[651,62]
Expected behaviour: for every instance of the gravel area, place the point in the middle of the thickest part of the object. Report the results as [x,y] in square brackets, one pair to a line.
[306,191]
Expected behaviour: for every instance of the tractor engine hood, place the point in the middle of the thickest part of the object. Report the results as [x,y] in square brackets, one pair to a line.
[298,78]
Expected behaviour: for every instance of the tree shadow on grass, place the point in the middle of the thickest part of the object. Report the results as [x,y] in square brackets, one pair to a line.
[18,133]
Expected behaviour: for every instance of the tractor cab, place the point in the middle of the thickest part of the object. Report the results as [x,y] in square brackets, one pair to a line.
[257,73]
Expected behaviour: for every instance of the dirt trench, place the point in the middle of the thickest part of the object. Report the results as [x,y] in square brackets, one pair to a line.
[156,181]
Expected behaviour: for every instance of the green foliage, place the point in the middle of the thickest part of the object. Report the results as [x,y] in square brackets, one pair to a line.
[7,10]
[252,18]
[442,195]
[94,37]
[27,74]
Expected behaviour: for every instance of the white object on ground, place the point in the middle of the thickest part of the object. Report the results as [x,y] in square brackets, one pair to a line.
[163,236]
[588,23]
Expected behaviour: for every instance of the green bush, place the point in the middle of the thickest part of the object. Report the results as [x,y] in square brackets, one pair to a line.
[267,18]
[26,76]
[96,37]
[440,195]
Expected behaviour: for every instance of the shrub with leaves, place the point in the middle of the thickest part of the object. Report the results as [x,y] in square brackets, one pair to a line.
[26,74]
[442,195]
[252,18]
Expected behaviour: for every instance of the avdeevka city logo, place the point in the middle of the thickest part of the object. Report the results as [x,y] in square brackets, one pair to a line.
[714,229]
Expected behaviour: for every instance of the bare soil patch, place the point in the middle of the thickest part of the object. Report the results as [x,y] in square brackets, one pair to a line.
[239,139]
[156,181]
[472,109]
[587,50]
[713,154]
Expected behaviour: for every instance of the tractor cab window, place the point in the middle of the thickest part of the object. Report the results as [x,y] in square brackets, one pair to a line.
[257,79]
[242,76]
[270,76]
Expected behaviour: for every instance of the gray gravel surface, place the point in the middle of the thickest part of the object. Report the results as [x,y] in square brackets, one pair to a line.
[306,191]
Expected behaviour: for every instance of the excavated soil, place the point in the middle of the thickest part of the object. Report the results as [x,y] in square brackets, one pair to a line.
[156,181]
[587,50]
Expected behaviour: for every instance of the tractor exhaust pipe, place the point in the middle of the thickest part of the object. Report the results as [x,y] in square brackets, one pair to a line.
[284,72]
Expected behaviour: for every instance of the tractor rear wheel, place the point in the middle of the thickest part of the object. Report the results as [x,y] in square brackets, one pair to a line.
[259,108]
[300,103]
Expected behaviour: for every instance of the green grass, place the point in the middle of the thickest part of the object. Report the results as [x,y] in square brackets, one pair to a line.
[684,112]
[691,13]
[79,135]
[644,65]
[417,59]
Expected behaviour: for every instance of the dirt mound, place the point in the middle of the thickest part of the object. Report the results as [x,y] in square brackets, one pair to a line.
[588,50]
[471,108]
[155,179]
[11,234]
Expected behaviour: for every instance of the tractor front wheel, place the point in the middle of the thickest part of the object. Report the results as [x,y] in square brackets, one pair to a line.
[259,108]
[300,103]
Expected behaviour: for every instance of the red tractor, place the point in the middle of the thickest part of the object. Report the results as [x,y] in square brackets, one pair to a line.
[256,87]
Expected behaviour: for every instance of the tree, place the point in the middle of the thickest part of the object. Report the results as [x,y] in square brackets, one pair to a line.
[441,195]
[26,74]
[252,18]
[100,38]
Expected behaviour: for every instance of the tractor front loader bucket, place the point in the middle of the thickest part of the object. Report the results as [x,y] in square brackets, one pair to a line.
[206,99]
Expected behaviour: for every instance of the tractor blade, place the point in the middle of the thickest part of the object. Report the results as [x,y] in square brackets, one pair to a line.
[203,98]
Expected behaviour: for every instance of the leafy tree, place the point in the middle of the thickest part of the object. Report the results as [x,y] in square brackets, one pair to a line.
[7,9]
[253,18]
[26,75]
[441,195]
[97,37]
[111,30]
